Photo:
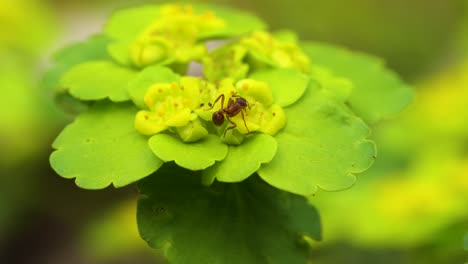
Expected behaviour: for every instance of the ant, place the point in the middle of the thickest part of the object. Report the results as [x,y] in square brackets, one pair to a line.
[234,107]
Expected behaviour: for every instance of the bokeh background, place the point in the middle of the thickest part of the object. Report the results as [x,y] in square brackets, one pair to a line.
[410,207]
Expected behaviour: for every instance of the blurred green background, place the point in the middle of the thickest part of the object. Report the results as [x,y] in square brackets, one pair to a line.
[411,207]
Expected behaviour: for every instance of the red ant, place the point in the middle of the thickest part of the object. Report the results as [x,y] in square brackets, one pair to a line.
[233,108]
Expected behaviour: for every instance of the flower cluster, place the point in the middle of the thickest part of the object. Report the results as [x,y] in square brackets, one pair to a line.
[173,37]
[266,108]
[287,111]
[252,52]
[183,106]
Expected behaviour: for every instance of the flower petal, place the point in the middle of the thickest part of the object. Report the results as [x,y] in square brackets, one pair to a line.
[286,84]
[193,156]
[243,160]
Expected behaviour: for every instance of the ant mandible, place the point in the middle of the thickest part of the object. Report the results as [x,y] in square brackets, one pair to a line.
[233,108]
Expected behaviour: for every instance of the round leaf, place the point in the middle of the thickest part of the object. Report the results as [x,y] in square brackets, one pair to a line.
[248,222]
[102,147]
[138,87]
[243,160]
[119,51]
[378,92]
[322,145]
[334,86]
[128,23]
[194,156]
[97,80]
[286,84]
[91,49]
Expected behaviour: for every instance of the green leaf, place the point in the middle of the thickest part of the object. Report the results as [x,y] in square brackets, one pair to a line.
[92,49]
[154,74]
[286,84]
[119,51]
[69,104]
[378,92]
[127,23]
[249,222]
[97,80]
[334,86]
[243,160]
[102,147]
[323,145]
[193,156]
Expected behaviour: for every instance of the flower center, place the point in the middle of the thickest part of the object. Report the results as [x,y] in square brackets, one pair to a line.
[195,106]
[173,37]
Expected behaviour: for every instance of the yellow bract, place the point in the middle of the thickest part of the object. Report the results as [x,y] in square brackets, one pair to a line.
[280,53]
[260,115]
[183,105]
[170,105]
[173,37]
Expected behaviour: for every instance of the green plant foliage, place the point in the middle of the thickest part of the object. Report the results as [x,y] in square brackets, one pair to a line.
[417,191]
[286,84]
[377,93]
[92,49]
[194,156]
[229,150]
[243,160]
[323,145]
[138,87]
[252,52]
[334,86]
[248,222]
[97,80]
[315,125]
[178,29]
[102,147]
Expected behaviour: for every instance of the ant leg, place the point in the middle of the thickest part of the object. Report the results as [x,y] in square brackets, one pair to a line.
[230,102]
[243,118]
[234,125]
[217,99]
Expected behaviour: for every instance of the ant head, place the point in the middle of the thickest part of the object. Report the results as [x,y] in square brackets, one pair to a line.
[218,118]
